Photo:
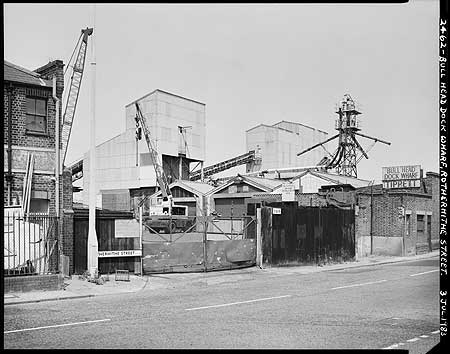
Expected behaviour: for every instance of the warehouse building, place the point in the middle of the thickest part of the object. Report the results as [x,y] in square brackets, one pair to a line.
[124,171]
[279,144]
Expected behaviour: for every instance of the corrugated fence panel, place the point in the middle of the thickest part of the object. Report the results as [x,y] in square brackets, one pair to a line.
[188,256]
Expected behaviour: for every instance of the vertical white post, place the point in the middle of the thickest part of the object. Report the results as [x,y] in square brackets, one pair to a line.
[92,235]
[140,237]
[258,238]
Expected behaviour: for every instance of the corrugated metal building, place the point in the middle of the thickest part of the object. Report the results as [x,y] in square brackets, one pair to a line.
[279,144]
[177,127]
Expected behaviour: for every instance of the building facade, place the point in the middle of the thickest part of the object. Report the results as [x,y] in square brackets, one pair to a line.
[124,166]
[279,144]
[398,222]
[30,123]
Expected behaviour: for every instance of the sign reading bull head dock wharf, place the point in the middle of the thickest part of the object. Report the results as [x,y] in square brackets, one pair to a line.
[401,177]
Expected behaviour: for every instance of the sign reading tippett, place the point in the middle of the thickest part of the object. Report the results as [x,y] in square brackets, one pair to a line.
[401,176]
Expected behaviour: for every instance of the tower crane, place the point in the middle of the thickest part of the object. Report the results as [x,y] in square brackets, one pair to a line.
[74,90]
[344,159]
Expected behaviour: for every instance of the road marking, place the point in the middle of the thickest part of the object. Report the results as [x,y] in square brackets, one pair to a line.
[237,303]
[430,271]
[351,286]
[413,340]
[435,332]
[424,336]
[54,326]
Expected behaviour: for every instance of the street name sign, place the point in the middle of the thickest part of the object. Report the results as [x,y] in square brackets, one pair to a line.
[123,253]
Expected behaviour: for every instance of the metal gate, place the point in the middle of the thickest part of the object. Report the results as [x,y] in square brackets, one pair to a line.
[307,234]
[30,244]
[211,243]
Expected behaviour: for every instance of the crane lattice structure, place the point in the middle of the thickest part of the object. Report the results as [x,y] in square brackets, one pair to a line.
[345,159]
[74,90]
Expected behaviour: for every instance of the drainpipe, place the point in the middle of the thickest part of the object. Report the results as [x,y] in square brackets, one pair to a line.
[9,176]
[371,219]
[57,149]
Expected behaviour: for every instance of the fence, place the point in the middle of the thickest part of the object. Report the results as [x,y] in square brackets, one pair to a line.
[195,250]
[30,244]
[307,234]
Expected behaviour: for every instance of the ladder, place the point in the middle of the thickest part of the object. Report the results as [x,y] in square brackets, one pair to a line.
[74,90]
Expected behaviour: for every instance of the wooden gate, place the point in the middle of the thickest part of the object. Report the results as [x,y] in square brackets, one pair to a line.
[296,234]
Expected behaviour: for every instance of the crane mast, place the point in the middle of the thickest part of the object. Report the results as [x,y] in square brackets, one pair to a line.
[74,90]
[160,175]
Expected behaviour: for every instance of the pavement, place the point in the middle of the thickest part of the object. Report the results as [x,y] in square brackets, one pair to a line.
[76,287]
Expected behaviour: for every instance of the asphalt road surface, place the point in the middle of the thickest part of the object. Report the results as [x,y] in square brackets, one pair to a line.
[374,307]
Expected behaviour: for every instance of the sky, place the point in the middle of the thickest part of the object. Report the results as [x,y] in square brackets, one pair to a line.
[251,64]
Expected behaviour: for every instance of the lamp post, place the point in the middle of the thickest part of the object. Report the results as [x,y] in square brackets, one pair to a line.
[92,251]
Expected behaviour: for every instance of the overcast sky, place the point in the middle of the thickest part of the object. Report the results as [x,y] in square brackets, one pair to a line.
[252,64]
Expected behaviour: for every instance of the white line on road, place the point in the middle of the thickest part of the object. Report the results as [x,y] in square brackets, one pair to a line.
[237,303]
[54,326]
[430,271]
[413,340]
[435,332]
[361,284]
[424,336]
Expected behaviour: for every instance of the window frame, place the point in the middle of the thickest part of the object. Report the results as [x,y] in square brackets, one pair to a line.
[36,114]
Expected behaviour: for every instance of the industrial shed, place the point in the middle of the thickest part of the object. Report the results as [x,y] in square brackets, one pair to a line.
[229,198]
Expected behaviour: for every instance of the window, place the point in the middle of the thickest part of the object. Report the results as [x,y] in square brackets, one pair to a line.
[420,223]
[408,224]
[36,120]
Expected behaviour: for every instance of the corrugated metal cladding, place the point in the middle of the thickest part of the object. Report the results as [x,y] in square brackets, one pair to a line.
[227,207]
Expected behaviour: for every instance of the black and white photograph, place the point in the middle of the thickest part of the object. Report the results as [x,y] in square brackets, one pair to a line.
[225,176]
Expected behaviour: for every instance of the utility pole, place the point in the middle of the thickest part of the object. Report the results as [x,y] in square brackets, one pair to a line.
[92,235]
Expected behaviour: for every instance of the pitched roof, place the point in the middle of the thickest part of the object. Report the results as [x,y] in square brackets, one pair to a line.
[166,92]
[336,179]
[303,125]
[264,184]
[197,188]
[15,73]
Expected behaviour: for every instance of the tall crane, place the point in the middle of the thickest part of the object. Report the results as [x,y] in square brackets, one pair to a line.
[141,127]
[344,159]
[74,90]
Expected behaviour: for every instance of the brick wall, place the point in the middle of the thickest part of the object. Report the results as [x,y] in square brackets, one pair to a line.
[33,282]
[44,148]
[432,186]
[386,221]
[67,217]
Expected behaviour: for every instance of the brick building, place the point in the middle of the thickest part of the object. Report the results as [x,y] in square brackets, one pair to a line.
[398,222]
[29,128]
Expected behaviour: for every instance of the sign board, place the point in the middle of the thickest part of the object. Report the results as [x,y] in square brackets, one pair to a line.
[288,192]
[401,176]
[124,253]
[126,228]
[276,211]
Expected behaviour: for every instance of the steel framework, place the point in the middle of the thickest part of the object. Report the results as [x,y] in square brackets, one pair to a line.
[345,159]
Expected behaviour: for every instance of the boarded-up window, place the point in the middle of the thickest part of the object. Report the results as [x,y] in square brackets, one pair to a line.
[420,223]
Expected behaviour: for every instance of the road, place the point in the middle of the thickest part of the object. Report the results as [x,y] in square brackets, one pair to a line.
[373,307]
